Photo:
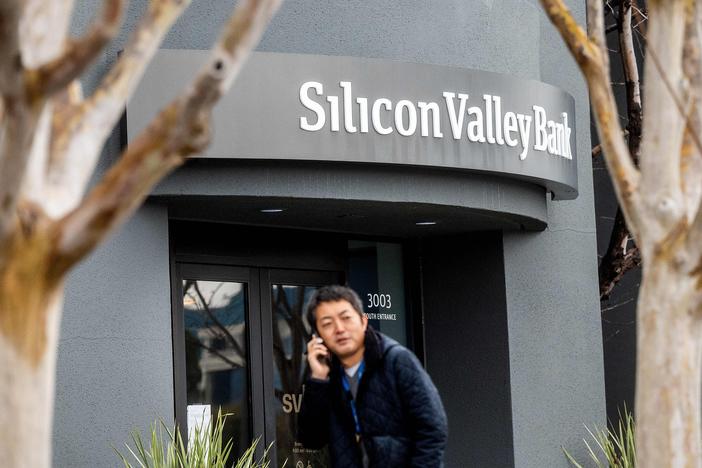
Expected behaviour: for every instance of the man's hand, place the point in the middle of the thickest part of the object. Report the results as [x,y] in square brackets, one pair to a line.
[318,358]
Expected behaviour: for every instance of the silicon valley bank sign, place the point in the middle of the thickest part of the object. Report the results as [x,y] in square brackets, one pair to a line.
[309,107]
[486,124]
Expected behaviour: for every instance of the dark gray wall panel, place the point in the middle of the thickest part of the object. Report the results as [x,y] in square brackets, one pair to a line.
[555,346]
[552,300]
[115,369]
[467,352]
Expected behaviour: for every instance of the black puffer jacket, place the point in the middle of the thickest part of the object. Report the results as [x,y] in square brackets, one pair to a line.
[402,419]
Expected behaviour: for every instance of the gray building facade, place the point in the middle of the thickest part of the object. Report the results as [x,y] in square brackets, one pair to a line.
[483,273]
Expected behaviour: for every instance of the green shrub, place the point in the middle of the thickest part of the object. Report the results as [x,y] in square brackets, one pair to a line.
[618,447]
[207,449]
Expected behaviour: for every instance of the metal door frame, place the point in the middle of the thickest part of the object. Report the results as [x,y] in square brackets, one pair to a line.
[252,320]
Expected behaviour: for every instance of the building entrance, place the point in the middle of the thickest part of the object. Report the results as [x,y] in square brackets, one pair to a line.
[240,331]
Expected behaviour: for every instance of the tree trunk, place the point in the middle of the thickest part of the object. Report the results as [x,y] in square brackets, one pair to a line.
[27,399]
[50,143]
[669,367]
[31,301]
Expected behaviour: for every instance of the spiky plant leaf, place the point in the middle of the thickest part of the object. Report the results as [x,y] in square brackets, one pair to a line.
[617,447]
[207,449]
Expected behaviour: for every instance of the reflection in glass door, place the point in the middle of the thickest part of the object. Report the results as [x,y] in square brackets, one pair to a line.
[291,332]
[214,315]
[217,350]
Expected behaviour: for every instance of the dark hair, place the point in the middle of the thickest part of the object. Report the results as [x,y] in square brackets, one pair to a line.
[332,293]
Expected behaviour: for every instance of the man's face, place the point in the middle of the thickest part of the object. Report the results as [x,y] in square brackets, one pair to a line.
[341,327]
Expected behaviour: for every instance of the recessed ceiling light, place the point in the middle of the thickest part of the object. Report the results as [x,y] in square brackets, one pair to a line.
[272,210]
[425,223]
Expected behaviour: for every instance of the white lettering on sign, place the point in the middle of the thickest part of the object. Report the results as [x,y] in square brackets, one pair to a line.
[486,123]
[383,301]
[375,115]
[313,106]
[292,402]
[424,108]
[379,316]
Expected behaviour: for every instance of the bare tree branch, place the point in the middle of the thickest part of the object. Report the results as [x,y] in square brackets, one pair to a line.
[15,134]
[10,57]
[120,192]
[16,144]
[640,18]
[77,55]
[24,135]
[79,138]
[583,50]
[596,30]
[43,30]
[590,57]
[179,130]
[32,188]
[616,306]
[218,325]
[596,151]
[618,259]
[631,74]
[214,351]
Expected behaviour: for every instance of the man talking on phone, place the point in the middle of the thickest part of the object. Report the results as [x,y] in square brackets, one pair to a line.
[367,397]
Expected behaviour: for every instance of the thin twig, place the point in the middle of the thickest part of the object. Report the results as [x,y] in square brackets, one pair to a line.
[615,306]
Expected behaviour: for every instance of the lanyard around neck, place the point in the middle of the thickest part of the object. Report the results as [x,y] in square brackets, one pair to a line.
[352,401]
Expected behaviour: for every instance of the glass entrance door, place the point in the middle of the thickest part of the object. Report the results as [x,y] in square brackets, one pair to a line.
[217,350]
[240,338]
[286,365]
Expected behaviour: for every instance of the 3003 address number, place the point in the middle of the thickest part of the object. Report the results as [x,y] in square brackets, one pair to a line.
[379,301]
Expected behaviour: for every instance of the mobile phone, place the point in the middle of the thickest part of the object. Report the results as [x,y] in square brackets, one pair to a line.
[322,359]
